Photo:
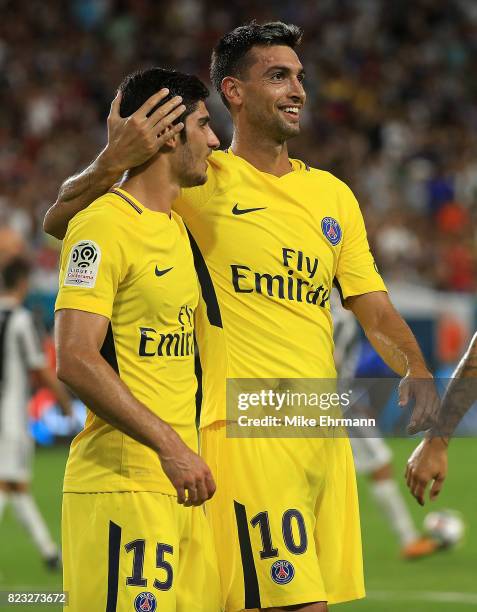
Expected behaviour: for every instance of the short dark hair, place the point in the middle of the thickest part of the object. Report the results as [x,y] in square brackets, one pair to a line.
[14,271]
[229,54]
[142,84]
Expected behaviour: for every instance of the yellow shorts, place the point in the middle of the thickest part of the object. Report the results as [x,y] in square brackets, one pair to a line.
[140,551]
[285,520]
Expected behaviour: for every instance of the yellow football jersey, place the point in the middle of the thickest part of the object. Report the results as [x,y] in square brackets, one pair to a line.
[268,250]
[135,267]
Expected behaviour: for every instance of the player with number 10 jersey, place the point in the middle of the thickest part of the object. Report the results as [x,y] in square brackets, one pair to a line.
[268,250]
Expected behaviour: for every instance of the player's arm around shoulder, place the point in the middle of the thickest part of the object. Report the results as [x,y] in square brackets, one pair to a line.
[131,141]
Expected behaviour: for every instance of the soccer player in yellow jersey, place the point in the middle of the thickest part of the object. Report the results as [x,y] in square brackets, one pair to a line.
[270,237]
[124,333]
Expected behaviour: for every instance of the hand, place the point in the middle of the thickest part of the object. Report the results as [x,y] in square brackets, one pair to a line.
[187,472]
[427,403]
[427,462]
[134,139]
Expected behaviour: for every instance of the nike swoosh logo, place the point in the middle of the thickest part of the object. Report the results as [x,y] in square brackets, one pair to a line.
[242,211]
[162,272]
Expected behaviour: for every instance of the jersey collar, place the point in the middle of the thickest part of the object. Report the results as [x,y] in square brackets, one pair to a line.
[296,164]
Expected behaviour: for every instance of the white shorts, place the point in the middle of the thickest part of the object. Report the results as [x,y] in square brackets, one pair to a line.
[370,454]
[16,459]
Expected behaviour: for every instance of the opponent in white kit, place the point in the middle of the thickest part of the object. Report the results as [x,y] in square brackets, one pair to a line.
[372,455]
[21,356]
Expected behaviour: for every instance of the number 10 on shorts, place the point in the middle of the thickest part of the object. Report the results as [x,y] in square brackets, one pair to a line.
[296,547]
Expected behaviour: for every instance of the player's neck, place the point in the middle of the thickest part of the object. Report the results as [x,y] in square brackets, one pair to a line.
[263,154]
[155,187]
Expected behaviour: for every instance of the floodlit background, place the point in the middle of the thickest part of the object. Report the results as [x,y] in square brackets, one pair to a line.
[391,110]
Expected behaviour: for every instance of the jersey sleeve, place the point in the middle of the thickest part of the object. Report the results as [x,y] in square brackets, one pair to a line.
[93,262]
[29,340]
[356,271]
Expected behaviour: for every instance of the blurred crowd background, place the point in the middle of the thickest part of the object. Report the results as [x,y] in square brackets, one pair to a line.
[391,110]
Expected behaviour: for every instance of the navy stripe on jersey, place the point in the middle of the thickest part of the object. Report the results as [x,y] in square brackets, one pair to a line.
[340,291]
[198,393]
[206,284]
[250,580]
[113,566]
[108,350]
[126,199]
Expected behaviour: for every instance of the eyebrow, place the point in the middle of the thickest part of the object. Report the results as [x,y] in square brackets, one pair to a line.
[285,69]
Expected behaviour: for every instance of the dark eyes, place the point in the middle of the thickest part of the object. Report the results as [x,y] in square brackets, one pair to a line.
[279,76]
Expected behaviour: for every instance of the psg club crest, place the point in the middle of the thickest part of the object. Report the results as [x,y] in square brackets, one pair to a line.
[282,572]
[331,230]
[145,602]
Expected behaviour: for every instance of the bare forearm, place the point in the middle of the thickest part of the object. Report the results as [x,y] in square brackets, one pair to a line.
[467,367]
[79,191]
[392,339]
[395,343]
[398,348]
[98,385]
[461,393]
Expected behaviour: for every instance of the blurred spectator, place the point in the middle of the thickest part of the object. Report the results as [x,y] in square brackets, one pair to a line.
[391,109]
[11,244]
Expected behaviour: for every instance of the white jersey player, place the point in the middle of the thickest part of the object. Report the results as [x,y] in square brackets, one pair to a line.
[21,357]
[371,453]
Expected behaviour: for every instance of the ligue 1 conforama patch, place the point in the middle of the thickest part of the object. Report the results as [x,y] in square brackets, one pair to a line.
[145,602]
[83,264]
[331,230]
[282,572]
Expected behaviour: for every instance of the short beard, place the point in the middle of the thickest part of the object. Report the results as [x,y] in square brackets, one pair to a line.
[193,180]
[274,128]
[289,131]
[189,178]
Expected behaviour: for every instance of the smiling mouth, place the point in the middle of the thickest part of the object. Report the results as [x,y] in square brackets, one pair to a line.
[292,112]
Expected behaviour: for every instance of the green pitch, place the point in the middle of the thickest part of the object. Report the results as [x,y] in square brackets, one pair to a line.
[444,582]
[21,566]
